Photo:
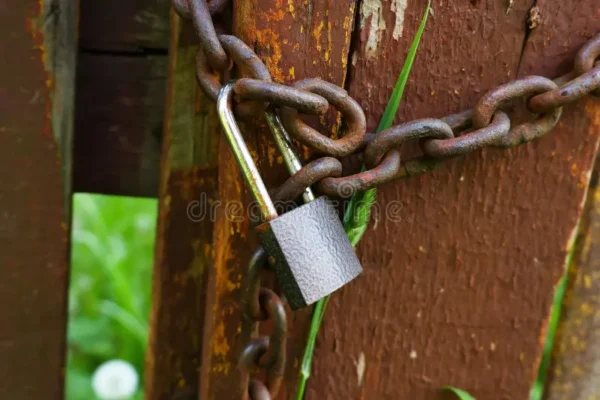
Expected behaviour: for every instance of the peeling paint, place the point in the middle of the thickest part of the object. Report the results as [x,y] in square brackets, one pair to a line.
[371,18]
[361,366]
[399,8]
[317,35]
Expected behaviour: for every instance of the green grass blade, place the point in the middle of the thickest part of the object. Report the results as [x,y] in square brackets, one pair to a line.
[135,328]
[358,213]
[461,394]
[394,102]
[537,391]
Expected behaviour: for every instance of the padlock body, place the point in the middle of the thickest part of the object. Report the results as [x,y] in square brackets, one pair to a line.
[309,252]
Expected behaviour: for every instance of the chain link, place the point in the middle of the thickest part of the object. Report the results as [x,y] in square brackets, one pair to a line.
[267,352]
[455,135]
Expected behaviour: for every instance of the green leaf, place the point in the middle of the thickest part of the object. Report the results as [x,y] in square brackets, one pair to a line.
[394,102]
[134,327]
[358,212]
[537,391]
[461,394]
[358,215]
[91,337]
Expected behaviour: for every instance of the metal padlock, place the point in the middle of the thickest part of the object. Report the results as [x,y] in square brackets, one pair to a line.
[307,246]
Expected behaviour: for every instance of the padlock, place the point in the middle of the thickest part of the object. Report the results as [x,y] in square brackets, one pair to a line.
[307,246]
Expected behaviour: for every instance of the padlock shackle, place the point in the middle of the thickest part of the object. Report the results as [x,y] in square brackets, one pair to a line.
[285,146]
[240,150]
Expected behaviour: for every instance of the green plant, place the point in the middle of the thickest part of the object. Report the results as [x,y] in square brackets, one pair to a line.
[358,212]
[110,287]
[461,394]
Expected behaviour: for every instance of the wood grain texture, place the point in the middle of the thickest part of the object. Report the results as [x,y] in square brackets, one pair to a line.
[35,108]
[116,25]
[119,123]
[461,264]
[184,253]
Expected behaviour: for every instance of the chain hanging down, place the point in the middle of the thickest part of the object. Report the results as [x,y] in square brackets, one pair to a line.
[485,125]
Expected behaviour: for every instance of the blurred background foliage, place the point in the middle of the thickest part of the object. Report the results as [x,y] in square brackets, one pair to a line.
[110,288]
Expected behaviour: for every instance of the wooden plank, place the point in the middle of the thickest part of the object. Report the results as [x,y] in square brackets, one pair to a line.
[116,25]
[183,247]
[295,41]
[573,375]
[119,124]
[36,98]
[464,298]
[575,353]
[198,280]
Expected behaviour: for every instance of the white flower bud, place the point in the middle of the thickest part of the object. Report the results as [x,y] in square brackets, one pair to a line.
[115,380]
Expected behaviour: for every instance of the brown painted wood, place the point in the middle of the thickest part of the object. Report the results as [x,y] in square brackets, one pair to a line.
[572,374]
[459,287]
[184,253]
[117,25]
[119,123]
[36,97]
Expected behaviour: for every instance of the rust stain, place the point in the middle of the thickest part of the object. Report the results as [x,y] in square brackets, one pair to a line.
[317,34]
[291,8]
[221,349]
[329,43]
[269,41]
[225,232]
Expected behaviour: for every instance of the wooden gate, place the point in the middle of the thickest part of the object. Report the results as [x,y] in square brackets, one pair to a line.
[458,286]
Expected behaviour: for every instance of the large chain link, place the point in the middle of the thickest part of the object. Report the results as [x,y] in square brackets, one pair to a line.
[455,135]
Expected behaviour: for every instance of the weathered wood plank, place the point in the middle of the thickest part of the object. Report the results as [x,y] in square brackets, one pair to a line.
[295,41]
[562,30]
[116,25]
[207,301]
[188,187]
[36,98]
[464,298]
[119,124]
[572,374]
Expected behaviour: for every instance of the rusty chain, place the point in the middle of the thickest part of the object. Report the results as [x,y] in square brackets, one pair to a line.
[486,125]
